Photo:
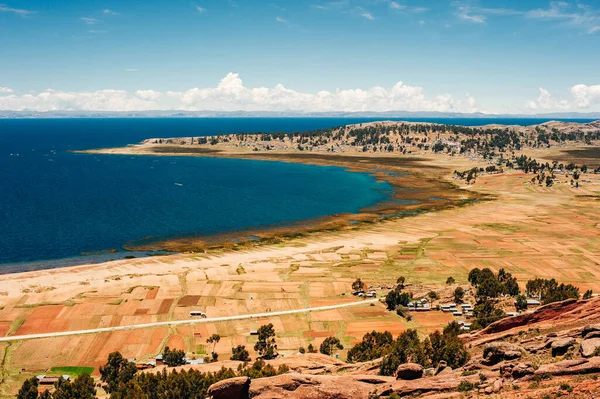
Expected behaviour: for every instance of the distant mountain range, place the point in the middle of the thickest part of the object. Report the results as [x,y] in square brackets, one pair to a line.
[287,114]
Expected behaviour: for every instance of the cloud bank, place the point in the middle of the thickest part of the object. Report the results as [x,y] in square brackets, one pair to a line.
[582,97]
[232,95]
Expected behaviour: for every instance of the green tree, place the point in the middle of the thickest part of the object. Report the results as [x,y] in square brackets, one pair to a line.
[266,347]
[450,281]
[588,294]
[240,353]
[214,340]
[433,296]
[330,345]
[81,387]
[173,358]
[29,389]
[521,303]
[486,313]
[400,281]
[373,345]
[116,370]
[459,294]
[358,285]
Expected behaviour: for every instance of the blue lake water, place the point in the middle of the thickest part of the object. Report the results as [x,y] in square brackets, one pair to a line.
[55,204]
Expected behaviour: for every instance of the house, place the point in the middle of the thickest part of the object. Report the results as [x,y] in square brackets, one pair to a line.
[457,313]
[511,314]
[371,294]
[48,380]
[159,360]
[253,332]
[533,302]
[195,361]
[198,313]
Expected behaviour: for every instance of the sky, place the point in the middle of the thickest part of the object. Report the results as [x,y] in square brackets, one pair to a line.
[512,56]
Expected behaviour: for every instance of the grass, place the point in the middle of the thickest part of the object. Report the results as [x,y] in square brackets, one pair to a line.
[15,326]
[72,370]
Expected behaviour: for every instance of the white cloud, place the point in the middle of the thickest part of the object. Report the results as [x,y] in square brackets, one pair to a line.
[101,100]
[5,90]
[200,9]
[367,15]
[89,21]
[581,97]
[107,11]
[578,16]
[5,8]
[585,96]
[231,95]
[279,19]
[397,6]
[149,95]
[478,15]
[131,70]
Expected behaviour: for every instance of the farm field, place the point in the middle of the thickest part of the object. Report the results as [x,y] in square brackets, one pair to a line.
[529,230]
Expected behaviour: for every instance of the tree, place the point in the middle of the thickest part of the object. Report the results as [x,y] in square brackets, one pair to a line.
[173,358]
[81,387]
[330,345]
[395,297]
[400,281]
[311,348]
[450,280]
[588,294]
[474,276]
[486,313]
[240,353]
[116,370]
[433,296]
[29,389]
[521,303]
[358,285]
[459,294]
[213,339]
[302,351]
[374,345]
[266,345]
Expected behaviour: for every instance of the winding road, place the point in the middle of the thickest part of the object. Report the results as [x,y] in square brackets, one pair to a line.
[180,322]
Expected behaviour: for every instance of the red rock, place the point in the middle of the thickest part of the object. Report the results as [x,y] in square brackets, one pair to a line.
[233,388]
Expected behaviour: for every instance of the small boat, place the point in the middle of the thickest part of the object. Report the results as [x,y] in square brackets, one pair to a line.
[178,184]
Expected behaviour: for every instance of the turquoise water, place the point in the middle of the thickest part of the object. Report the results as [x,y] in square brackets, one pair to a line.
[55,204]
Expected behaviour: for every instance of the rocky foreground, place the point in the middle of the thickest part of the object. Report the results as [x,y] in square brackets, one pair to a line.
[552,352]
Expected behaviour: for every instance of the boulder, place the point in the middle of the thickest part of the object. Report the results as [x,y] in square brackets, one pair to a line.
[521,370]
[516,371]
[593,334]
[591,328]
[498,385]
[445,371]
[409,371]
[571,367]
[233,388]
[496,352]
[561,346]
[589,346]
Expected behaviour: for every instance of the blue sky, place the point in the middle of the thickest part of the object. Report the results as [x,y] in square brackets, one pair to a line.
[473,55]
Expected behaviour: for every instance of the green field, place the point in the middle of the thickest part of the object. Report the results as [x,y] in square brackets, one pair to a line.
[72,370]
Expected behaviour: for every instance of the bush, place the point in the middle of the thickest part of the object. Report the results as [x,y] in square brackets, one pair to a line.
[465,386]
[240,353]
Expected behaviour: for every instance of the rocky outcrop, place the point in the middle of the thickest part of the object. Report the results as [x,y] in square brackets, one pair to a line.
[589,346]
[590,329]
[409,371]
[299,386]
[496,352]
[560,346]
[516,371]
[571,367]
[233,388]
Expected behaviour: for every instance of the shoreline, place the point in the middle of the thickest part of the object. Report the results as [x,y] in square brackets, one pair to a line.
[417,185]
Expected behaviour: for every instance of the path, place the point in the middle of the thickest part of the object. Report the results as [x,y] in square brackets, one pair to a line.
[180,322]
